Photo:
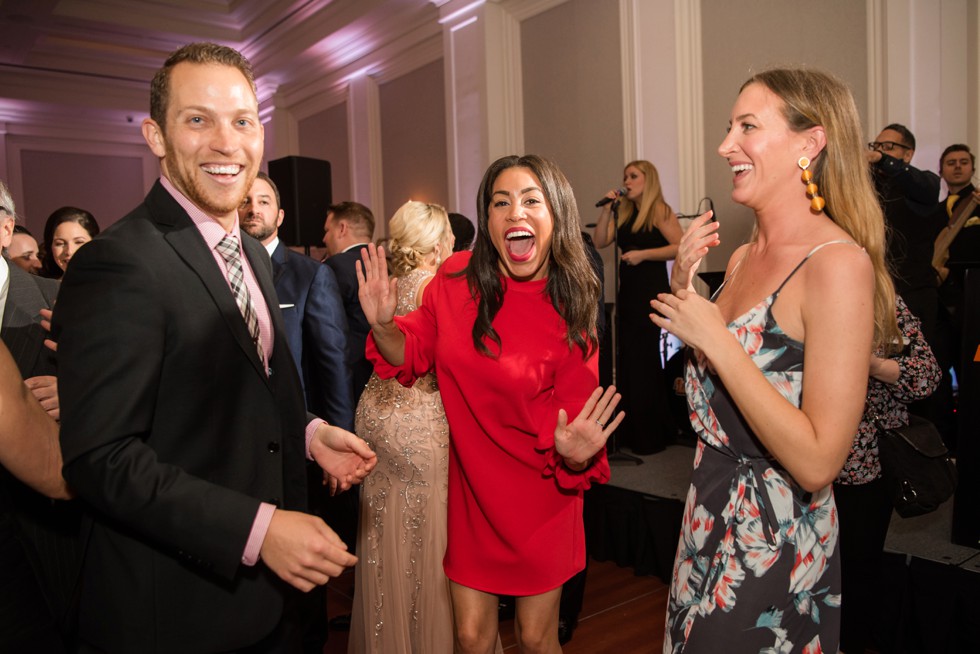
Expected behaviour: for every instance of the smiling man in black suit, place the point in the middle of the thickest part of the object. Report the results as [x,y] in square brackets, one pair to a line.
[183,418]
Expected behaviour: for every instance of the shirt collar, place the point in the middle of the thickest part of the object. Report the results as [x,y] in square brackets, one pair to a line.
[210,228]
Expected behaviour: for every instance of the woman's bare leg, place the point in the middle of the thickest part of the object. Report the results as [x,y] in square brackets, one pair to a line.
[536,623]
[475,618]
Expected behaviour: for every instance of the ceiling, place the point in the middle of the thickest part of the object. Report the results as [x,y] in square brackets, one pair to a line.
[90,61]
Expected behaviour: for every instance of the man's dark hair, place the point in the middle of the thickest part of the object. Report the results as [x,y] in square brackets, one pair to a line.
[463,230]
[275,189]
[907,137]
[195,53]
[958,147]
[356,214]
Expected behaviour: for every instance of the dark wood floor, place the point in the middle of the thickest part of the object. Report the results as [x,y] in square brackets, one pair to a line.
[622,613]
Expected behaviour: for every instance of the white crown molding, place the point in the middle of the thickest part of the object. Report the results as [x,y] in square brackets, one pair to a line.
[690,102]
[521,10]
[401,53]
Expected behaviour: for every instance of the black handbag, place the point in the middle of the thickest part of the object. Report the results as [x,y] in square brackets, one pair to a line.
[916,463]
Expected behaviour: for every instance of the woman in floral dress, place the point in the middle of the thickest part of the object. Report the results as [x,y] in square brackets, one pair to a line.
[778,372]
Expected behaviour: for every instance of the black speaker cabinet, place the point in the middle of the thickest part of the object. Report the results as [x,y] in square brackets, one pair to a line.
[305,190]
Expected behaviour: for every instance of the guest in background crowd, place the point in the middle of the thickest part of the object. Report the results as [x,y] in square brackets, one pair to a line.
[66,230]
[647,233]
[348,228]
[778,373]
[39,543]
[312,310]
[463,230]
[908,198]
[316,329]
[957,166]
[510,331]
[23,251]
[864,500]
[401,595]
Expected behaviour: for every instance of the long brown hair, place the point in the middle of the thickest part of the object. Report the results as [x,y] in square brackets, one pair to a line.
[572,285]
[812,98]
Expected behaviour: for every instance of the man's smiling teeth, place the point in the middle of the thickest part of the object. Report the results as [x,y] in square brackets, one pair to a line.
[222,170]
[738,168]
[519,234]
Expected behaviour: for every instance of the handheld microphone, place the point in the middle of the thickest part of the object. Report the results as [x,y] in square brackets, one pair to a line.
[604,201]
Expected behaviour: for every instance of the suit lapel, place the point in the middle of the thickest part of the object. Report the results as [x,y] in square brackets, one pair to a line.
[181,233]
[279,262]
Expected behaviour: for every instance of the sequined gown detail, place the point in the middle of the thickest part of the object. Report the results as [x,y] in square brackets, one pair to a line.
[401,595]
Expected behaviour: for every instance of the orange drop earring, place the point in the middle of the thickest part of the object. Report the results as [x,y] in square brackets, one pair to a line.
[817,203]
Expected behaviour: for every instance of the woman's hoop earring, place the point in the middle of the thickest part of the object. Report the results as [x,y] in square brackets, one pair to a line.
[817,203]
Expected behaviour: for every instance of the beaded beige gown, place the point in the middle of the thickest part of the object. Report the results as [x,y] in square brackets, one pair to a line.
[401,594]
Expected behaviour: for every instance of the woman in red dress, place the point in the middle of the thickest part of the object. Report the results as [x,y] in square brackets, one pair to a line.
[510,330]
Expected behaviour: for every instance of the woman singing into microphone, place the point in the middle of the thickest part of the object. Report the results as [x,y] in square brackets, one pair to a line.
[647,233]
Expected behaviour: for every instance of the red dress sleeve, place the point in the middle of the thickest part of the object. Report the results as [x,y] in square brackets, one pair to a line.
[420,330]
[575,380]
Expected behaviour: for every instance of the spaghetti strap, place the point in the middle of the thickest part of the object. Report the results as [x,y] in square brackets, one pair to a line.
[805,259]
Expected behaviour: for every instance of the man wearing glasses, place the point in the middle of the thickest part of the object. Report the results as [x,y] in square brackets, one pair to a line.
[908,199]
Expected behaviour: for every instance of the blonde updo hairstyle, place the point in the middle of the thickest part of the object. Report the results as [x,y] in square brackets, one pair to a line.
[416,229]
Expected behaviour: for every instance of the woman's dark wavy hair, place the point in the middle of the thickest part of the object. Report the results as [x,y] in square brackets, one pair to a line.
[63,215]
[572,284]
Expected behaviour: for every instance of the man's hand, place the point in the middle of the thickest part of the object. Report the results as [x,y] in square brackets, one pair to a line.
[45,391]
[303,550]
[343,456]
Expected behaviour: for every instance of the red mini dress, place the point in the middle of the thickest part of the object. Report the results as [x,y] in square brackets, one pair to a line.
[514,511]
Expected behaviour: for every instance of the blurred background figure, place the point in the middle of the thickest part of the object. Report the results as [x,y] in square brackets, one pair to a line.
[66,230]
[647,233]
[401,595]
[463,230]
[23,250]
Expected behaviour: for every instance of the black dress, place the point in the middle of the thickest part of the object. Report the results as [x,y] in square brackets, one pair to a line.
[648,426]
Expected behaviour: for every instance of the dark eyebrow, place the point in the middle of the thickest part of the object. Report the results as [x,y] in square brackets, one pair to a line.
[522,191]
[744,116]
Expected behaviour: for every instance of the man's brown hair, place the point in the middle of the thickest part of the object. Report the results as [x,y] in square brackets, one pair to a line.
[195,53]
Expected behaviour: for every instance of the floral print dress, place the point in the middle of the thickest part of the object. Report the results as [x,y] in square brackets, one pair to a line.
[757,567]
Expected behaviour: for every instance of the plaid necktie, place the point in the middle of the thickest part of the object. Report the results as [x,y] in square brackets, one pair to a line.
[229,250]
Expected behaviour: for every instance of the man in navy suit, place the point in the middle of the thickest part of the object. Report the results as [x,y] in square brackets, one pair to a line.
[316,324]
[347,230]
[183,427]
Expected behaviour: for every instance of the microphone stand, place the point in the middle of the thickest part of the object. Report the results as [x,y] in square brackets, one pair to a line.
[615,457]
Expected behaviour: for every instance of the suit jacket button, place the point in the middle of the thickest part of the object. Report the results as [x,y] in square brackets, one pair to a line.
[273,447]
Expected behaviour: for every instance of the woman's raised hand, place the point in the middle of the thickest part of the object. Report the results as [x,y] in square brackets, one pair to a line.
[700,236]
[579,440]
[378,294]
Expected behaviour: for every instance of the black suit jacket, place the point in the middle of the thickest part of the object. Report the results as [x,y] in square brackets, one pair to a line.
[316,328]
[173,434]
[343,265]
[21,329]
